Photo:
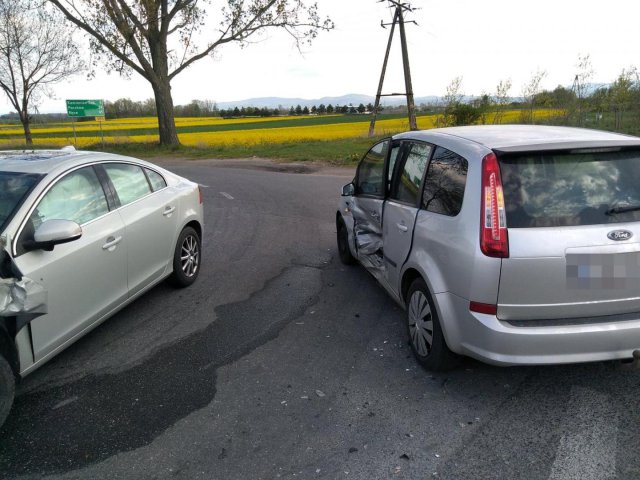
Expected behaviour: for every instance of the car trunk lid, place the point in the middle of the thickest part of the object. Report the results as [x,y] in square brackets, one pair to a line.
[574,234]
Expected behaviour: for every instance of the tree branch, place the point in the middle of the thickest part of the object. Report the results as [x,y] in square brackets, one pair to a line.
[253,25]
[100,38]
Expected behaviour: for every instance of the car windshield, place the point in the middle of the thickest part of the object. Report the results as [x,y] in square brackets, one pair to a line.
[571,188]
[14,187]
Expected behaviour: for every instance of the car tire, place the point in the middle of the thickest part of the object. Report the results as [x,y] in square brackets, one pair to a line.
[7,388]
[187,258]
[425,331]
[343,244]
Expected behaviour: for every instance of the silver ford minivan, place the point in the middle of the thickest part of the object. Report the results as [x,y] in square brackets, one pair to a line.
[512,244]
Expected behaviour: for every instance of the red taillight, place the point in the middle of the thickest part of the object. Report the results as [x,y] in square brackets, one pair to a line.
[200,197]
[486,308]
[493,221]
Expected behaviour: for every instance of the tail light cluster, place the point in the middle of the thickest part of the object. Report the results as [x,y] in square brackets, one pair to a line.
[494,241]
[200,196]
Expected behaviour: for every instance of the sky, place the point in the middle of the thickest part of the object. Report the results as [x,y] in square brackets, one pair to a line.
[483,42]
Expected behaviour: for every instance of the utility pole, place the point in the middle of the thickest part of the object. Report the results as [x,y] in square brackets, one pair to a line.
[577,92]
[398,18]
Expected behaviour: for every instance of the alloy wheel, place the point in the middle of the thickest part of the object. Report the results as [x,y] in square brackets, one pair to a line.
[190,256]
[420,323]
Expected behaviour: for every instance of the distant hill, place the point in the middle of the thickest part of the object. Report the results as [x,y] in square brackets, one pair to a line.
[356,99]
[353,99]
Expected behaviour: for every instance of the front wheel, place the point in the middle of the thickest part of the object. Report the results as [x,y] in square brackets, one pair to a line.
[343,244]
[7,388]
[425,332]
[186,258]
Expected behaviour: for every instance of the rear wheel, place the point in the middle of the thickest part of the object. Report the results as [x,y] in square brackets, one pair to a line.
[425,333]
[186,258]
[343,244]
[7,388]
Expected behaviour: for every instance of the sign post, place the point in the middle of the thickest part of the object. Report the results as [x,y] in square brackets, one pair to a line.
[100,120]
[84,108]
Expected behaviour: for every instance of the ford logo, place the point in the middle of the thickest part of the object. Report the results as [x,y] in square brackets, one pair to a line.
[619,235]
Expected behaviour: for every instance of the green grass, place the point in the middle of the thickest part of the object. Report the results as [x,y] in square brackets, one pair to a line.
[335,152]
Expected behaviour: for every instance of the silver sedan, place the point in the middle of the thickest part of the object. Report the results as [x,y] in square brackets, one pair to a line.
[81,235]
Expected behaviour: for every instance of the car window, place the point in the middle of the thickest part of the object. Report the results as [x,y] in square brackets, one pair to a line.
[78,197]
[408,180]
[445,182]
[14,187]
[370,178]
[156,180]
[571,188]
[129,181]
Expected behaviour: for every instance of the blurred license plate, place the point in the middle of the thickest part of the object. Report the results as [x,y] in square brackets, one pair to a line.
[608,271]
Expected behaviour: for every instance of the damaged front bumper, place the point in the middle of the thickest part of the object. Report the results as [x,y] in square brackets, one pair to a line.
[20,297]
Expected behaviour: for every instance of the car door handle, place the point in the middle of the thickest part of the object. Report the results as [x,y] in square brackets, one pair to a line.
[111,242]
[402,227]
[168,210]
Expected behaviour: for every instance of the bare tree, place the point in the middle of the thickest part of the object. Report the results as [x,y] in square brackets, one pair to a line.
[583,75]
[159,39]
[452,98]
[529,93]
[36,51]
[483,104]
[501,99]
[621,92]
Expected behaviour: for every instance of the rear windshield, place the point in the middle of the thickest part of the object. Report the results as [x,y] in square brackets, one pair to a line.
[571,188]
[14,187]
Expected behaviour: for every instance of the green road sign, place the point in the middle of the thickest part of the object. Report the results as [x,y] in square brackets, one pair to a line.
[85,108]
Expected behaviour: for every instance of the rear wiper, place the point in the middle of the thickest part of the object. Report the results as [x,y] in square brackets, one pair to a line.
[622,209]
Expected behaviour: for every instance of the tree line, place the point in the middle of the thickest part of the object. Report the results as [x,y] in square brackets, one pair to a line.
[127,108]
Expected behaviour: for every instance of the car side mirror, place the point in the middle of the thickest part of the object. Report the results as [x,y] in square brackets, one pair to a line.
[349,190]
[53,232]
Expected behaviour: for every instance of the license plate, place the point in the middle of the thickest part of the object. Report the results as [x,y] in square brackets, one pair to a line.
[603,271]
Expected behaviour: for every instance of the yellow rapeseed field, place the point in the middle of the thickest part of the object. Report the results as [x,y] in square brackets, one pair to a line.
[124,130]
[306,133]
[124,124]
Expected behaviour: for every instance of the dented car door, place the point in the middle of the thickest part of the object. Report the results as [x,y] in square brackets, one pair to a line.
[372,182]
[367,206]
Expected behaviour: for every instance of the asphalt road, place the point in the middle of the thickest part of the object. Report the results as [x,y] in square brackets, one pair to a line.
[282,363]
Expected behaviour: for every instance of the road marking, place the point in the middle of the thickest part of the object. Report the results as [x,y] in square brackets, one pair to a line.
[226,195]
[587,449]
[64,402]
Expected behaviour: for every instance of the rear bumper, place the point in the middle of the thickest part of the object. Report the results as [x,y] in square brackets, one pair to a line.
[490,340]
